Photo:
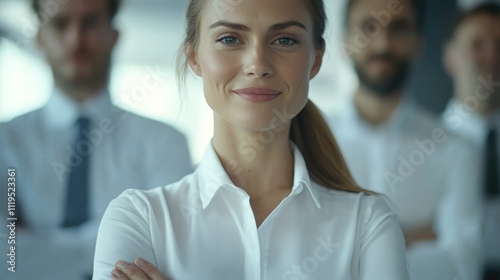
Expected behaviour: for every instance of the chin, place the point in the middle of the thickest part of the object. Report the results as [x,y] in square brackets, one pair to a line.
[256,123]
[82,78]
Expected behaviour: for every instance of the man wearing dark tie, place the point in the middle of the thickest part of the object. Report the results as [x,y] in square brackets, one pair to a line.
[472,57]
[79,151]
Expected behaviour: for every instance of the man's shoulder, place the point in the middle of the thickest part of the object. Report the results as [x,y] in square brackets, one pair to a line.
[134,122]
[24,121]
[432,126]
[425,119]
[425,122]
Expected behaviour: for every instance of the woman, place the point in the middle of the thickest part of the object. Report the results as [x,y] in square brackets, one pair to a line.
[272,198]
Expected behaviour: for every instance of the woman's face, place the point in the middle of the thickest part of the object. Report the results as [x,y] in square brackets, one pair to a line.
[256,58]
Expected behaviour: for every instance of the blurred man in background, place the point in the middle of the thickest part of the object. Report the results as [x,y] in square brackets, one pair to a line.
[77,153]
[472,57]
[395,148]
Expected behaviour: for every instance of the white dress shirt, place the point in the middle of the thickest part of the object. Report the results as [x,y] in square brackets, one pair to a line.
[128,151]
[474,128]
[429,175]
[203,227]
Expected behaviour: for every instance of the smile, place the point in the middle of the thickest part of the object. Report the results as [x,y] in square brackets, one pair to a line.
[257,94]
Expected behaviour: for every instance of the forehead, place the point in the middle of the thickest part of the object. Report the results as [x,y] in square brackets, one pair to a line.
[363,10]
[254,12]
[480,25]
[76,8]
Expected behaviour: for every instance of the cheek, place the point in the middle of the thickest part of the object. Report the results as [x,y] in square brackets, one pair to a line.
[218,67]
[217,71]
[297,71]
[468,61]
[297,74]
[52,45]
[353,49]
[473,58]
[101,47]
[481,59]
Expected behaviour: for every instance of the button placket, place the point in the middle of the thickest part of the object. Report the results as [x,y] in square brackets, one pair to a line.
[251,241]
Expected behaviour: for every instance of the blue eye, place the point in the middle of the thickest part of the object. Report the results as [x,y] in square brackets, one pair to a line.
[229,40]
[286,41]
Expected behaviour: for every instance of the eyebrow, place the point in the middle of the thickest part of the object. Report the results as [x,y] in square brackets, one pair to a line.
[275,27]
[284,25]
[230,25]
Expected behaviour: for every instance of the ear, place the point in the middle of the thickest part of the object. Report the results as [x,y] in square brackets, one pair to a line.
[192,59]
[39,41]
[447,59]
[318,61]
[115,36]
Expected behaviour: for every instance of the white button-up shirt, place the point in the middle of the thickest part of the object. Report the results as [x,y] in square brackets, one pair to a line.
[474,128]
[430,176]
[128,151]
[203,227]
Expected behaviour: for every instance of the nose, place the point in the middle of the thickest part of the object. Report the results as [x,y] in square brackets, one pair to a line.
[74,36]
[258,63]
[380,42]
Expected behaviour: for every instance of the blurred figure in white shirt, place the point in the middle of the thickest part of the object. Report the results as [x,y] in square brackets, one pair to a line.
[77,153]
[395,148]
[472,57]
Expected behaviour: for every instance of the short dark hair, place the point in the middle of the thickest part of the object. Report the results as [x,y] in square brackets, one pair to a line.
[418,5]
[488,8]
[113,7]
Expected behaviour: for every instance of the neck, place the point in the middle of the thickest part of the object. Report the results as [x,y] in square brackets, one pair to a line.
[259,167]
[477,104]
[376,109]
[80,93]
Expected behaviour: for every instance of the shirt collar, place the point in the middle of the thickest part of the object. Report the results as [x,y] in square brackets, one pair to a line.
[211,176]
[63,111]
[404,110]
[465,123]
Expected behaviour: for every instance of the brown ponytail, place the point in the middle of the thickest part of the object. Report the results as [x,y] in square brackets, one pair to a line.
[325,163]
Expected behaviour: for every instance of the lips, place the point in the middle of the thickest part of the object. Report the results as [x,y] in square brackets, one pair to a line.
[257,94]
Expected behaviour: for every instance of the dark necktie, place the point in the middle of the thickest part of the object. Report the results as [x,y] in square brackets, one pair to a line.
[77,196]
[492,184]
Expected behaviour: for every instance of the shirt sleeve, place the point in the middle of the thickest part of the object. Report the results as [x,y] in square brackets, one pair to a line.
[124,234]
[382,253]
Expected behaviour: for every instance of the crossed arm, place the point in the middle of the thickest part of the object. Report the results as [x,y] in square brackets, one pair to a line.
[140,269]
